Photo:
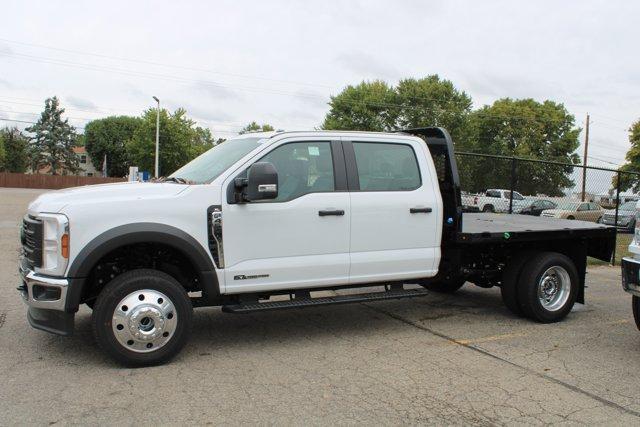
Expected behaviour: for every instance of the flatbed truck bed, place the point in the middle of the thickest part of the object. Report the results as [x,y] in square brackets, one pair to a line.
[492,227]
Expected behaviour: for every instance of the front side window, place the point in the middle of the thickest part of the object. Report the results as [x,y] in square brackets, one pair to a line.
[303,168]
[386,166]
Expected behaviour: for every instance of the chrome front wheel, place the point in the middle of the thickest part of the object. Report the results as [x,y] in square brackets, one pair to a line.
[144,320]
[142,317]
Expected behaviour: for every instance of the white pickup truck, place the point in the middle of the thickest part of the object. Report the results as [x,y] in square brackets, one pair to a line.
[286,214]
[494,200]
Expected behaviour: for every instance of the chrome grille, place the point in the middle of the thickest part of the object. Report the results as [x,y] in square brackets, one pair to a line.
[31,238]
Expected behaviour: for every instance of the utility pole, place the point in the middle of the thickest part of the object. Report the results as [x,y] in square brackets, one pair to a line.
[157,170]
[584,159]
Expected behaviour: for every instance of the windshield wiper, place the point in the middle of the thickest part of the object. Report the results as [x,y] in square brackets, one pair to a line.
[175,179]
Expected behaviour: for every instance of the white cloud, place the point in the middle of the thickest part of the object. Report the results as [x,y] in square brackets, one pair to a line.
[578,52]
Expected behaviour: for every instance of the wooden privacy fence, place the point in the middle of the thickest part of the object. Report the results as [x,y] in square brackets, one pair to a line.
[54,182]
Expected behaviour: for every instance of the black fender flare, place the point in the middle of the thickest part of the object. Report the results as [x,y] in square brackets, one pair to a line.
[145,232]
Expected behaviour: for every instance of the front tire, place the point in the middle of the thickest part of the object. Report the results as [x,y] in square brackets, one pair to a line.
[548,287]
[142,318]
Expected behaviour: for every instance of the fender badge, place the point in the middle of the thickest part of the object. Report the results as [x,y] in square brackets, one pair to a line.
[252,276]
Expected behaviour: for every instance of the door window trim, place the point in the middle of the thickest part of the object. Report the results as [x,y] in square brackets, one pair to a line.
[353,177]
[337,159]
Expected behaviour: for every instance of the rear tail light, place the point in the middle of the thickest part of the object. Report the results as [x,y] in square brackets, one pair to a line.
[475,200]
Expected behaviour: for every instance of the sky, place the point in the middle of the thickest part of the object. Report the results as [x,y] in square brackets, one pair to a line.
[231,62]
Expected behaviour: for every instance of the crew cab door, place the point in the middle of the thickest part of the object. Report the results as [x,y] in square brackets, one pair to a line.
[396,210]
[301,238]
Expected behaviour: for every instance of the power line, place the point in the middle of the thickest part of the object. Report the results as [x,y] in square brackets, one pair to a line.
[182,80]
[189,68]
[182,67]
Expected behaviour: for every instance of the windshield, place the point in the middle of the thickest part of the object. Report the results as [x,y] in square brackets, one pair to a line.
[209,165]
[628,206]
[516,195]
[567,206]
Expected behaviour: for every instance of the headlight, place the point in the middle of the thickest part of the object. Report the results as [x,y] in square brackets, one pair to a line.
[55,244]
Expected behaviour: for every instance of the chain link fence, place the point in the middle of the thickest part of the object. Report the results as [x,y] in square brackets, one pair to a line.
[511,185]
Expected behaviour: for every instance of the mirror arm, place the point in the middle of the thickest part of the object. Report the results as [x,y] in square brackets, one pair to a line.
[240,184]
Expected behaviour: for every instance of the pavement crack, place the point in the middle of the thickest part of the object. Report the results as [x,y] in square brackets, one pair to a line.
[483,352]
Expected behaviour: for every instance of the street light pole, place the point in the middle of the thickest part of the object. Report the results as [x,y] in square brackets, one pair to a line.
[157,136]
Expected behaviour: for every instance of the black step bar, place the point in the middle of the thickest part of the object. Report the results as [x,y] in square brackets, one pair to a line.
[312,302]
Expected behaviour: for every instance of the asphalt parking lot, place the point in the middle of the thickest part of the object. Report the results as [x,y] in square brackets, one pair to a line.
[440,359]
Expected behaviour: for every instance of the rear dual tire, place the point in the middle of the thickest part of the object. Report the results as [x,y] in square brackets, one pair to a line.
[541,286]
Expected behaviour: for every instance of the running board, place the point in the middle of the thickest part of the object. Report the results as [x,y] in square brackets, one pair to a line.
[312,302]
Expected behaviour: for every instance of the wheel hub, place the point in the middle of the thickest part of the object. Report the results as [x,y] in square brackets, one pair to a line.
[554,288]
[144,321]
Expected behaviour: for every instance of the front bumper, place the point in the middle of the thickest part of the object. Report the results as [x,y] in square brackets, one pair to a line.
[624,221]
[46,298]
[631,276]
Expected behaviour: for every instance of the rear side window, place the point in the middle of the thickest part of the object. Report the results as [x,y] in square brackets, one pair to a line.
[493,193]
[386,166]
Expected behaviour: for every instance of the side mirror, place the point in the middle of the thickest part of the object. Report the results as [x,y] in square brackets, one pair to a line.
[262,182]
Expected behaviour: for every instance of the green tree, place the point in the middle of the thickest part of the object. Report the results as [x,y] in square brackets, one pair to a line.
[3,155]
[53,141]
[521,128]
[180,141]
[369,106]
[15,146]
[376,106]
[633,161]
[255,127]
[108,137]
[432,101]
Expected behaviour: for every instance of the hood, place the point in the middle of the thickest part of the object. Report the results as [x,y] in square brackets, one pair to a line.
[55,201]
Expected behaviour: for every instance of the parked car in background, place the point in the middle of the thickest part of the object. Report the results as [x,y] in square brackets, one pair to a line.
[537,206]
[584,211]
[631,267]
[626,216]
[494,200]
